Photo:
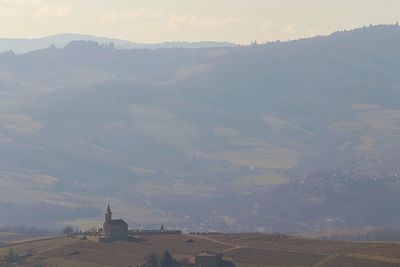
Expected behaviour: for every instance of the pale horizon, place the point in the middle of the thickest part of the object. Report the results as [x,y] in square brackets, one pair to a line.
[156,21]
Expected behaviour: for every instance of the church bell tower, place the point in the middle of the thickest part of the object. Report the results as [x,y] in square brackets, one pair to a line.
[108,215]
[107,222]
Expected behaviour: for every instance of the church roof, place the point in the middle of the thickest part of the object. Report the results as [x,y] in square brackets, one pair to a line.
[118,222]
[108,209]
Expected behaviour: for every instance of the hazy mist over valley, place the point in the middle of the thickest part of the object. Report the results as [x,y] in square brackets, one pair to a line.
[278,137]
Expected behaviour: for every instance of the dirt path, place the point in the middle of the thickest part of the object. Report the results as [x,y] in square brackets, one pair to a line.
[213,240]
[30,241]
[233,246]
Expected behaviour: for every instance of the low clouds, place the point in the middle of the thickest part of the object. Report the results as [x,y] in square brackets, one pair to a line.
[185,21]
[171,22]
[149,22]
[5,3]
[133,15]
[295,29]
[35,8]
[52,11]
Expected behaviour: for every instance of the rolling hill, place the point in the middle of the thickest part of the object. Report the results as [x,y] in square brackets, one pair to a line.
[284,136]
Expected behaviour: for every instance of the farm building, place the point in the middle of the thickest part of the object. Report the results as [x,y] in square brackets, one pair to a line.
[208,259]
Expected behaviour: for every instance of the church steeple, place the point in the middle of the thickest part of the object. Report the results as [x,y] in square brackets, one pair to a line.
[108,215]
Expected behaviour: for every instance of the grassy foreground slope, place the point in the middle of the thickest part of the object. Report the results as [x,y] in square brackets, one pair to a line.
[245,250]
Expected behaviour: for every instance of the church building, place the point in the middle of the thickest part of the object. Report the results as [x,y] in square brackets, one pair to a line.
[114,229]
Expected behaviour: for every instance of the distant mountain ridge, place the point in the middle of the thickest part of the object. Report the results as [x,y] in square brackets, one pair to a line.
[25,45]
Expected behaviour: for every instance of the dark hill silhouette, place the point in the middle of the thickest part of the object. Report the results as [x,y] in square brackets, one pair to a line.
[24,45]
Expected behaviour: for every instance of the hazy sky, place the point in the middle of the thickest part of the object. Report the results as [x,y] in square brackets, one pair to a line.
[240,21]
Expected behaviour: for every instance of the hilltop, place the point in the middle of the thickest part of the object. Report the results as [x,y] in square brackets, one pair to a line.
[284,136]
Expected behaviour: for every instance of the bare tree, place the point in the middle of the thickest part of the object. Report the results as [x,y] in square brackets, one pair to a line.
[68,230]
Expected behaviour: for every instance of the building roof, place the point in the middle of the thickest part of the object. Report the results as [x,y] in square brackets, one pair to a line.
[108,209]
[206,254]
[118,222]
